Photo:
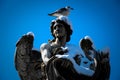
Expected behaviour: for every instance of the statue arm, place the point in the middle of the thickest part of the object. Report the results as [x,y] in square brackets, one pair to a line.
[45,52]
[88,56]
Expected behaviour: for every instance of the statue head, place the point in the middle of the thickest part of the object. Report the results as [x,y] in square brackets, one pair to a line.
[67,27]
[86,43]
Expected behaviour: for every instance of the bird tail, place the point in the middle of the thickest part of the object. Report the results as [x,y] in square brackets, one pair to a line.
[50,14]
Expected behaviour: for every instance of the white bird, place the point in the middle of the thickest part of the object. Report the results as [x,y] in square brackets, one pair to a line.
[61,12]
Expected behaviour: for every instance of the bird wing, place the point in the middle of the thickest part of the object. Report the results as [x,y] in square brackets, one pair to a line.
[27,61]
[60,10]
[57,12]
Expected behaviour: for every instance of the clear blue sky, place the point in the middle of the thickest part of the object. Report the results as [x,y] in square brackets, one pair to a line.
[100,19]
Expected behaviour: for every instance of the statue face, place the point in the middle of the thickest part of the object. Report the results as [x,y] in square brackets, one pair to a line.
[59,30]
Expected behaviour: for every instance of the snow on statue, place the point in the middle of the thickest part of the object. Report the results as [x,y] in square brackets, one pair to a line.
[58,60]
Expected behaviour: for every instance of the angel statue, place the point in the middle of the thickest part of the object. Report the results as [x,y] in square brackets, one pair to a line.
[58,60]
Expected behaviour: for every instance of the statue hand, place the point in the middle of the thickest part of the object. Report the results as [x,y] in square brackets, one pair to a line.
[59,51]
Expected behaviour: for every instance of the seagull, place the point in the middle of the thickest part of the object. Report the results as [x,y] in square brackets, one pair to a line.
[61,12]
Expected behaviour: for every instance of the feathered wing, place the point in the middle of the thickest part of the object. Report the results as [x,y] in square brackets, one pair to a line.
[59,12]
[27,61]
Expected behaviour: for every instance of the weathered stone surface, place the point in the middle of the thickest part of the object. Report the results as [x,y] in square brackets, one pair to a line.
[28,63]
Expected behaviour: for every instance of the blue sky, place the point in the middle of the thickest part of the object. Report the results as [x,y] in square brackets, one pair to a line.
[100,19]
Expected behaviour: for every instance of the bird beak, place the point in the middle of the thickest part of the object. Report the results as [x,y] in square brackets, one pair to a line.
[71,8]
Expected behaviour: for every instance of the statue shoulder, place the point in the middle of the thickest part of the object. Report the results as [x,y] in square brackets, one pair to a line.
[73,47]
[44,46]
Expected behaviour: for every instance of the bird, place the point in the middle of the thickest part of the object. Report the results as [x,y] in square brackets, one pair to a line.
[61,12]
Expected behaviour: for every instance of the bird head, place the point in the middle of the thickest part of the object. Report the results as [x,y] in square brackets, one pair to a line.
[68,7]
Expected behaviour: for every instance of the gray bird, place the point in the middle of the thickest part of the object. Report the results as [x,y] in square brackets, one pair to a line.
[61,12]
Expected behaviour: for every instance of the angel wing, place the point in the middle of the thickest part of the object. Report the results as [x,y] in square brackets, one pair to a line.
[27,61]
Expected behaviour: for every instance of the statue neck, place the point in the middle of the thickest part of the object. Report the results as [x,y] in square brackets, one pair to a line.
[61,41]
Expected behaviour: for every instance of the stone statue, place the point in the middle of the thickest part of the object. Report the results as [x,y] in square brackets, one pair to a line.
[58,60]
